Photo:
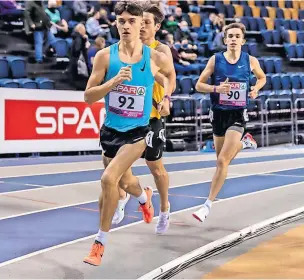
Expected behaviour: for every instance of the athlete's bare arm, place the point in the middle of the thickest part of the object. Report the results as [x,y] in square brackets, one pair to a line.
[260,75]
[160,64]
[202,86]
[95,90]
[165,50]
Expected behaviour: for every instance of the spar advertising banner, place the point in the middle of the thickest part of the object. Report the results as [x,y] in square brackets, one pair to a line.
[48,121]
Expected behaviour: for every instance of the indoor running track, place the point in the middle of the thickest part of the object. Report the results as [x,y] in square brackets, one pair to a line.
[49,211]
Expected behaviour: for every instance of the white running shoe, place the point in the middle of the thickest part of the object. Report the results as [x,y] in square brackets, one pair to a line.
[163,222]
[249,142]
[202,213]
[120,210]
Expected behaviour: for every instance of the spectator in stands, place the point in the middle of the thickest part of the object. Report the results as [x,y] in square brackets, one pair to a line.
[181,66]
[217,44]
[59,26]
[105,22]
[99,44]
[182,32]
[107,5]
[207,27]
[179,16]
[10,8]
[81,12]
[94,29]
[187,51]
[171,25]
[78,69]
[40,24]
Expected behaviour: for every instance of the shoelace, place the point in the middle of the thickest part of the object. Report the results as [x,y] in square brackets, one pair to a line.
[163,218]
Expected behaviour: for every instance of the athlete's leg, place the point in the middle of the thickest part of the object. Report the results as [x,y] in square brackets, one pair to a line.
[218,144]
[123,160]
[232,145]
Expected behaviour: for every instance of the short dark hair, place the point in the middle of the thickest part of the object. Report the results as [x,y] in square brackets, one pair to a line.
[131,7]
[153,9]
[235,25]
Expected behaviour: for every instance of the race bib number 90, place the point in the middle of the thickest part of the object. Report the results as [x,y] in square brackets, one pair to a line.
[127,101]
[237,95]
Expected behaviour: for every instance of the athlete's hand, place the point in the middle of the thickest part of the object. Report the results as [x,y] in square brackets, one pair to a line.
[164,107]
[224,88]
[253,93]
[125,73]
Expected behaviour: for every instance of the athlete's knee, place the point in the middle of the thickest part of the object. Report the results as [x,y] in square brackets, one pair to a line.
[158,170]
[223,161]
[107,181]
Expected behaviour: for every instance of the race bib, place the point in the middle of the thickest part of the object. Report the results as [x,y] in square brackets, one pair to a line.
[127,101]
[237,95]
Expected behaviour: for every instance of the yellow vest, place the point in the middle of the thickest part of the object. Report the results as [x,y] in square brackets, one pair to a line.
[158,90]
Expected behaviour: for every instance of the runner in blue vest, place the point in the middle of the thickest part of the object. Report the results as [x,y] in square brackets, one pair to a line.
[229,95]
[124,74]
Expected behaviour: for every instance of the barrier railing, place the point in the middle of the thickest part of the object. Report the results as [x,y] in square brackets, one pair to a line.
[279,122]
[296,120]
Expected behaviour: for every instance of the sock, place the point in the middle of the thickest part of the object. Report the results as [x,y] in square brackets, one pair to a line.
[101,237]
[143,197]
[208,203]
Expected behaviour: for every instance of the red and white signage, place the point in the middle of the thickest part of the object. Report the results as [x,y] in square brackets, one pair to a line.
[48,121]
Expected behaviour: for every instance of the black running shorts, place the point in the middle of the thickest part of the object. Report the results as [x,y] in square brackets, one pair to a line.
[222,120]
[158,141]
[112,140]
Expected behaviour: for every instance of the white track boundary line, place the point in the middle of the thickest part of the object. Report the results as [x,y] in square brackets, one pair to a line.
[197,158]
[133,224]
[236,175]
[219,242]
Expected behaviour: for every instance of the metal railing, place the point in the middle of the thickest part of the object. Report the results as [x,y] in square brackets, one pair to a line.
[278,123]
[296,120]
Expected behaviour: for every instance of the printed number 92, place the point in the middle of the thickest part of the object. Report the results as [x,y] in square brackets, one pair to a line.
[234,94]
[123,102]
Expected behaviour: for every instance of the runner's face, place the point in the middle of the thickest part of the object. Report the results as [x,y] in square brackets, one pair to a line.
[149,28]
[128,26]
[234,39]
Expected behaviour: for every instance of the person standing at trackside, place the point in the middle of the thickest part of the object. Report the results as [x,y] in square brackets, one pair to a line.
[124,74]
[229,95]
[152,19]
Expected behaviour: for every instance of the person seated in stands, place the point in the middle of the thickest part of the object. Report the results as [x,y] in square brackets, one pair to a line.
[39,23]
[187,51]
[78,70]
[10,8]
[95,29]
[107,5]
[217,44]
[208,27]
[99,44]
[59,26]
[182,32]
[179,16]
[81,12]
[181,66]
[105,22]
[220,21]
[171,25]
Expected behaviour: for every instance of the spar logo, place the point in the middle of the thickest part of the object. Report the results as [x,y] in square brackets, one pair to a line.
[236,85]
[127,89]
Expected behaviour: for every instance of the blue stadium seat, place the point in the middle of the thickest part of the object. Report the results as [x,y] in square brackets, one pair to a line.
[286,24]
[9,83]
[61,48]
[291,51]
[253,49]
[300,51]
[264,12]
[45,83]
[280,13]
[294,24]
[286,94]
[269,65]
[206,104]
[301,14]
[300,37]
[295,81]
[177,109]
[4,68]
[186,85]
[288,4]
[300,24]
[230,11]
[245,21]
[278,65]
[189,108]
[285,81]
[253,24]
[261,24]
[276,36]
[245,48]
[27,83]
[302,81]
[268,85]
[274,3]
[276,82]
[267,37]
[278,23]
[247,11]
[261,61]
[17,66]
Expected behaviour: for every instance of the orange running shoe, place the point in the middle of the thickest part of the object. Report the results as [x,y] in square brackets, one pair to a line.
[147,209]
[94,258]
